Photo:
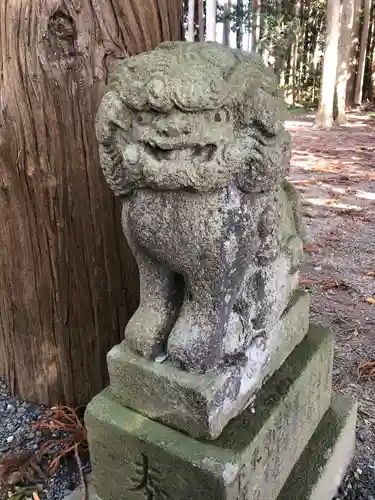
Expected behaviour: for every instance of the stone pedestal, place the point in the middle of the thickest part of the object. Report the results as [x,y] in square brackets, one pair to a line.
[197,403]
[294,437]
[221,390]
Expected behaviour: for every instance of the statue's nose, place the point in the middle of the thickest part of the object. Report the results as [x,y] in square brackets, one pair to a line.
[166,127]
[171,127]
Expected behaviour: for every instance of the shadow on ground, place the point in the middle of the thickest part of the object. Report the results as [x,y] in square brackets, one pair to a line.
[334,171]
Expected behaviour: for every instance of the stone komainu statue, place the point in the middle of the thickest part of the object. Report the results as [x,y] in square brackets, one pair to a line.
[192,138]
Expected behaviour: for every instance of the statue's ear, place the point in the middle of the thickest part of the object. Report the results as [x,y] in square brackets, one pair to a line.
[268,112]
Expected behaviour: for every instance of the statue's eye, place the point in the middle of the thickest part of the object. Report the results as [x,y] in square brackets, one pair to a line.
[140,118]
[217,117]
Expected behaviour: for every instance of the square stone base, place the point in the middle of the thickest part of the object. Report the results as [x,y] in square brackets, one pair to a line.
[320,469]
[134,457]
[202,405]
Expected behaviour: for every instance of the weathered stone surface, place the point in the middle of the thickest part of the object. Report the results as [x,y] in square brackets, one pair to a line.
[202,404]
[133,456]
[321,467]
[79,494]
[192,137]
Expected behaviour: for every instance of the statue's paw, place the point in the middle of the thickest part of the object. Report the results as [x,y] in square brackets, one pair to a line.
[146,332]
[193,343]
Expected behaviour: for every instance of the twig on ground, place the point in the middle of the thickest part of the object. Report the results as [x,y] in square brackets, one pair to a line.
[67,435]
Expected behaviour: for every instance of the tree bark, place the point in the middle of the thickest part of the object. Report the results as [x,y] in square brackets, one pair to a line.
[293,84]
[201,21]
[191,21]
[367,86]
[68,282]
[372,58]
[315,58]
[324,116]
[362,53]
[354,52]
[279,52]
[347,18]
[302,59]
[255,24]
[211,20]
[226,26]
[239,23]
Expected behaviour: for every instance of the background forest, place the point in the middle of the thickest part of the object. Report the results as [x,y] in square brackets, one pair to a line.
[321,52]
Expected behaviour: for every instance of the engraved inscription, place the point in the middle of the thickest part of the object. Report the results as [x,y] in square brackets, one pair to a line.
[147,480]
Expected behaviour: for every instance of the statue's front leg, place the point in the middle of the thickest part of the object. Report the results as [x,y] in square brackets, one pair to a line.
[206,320]
[148,329]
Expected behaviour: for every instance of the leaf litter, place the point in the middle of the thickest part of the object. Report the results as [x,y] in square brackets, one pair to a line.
[334,172]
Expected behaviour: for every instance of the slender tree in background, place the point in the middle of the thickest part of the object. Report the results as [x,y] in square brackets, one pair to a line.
[362,54]
[371,91]
[354,52]
[255,24]
[279,49]
[191,21]
[294,54]
[239,23]
[303,8]
[367,85]
[68,283]
[201,23]
[210,20]
[324,116]
[226,26]
[347,19]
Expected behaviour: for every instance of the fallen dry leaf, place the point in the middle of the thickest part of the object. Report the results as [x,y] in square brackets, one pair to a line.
[308,248]
[305,182]
[366,369]
[329,283]
[332,201]
[19,468]
[323,168]
[331,237]
[307,282]
[371,274]
[370,300]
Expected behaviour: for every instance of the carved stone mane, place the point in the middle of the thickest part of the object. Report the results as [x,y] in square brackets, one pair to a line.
[168,110]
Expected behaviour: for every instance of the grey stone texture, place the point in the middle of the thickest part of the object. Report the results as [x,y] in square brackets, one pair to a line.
[319,471]
[134,457]
[198,404]
[192,138]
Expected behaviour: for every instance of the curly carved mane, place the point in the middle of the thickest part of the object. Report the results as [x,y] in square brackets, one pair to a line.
[192,78]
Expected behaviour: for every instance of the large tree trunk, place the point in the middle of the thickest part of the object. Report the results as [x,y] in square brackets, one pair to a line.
[324,116]
[362,54]
[68,283]
[347,18]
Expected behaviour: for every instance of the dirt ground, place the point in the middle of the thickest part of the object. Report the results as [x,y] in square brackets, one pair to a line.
[335,174]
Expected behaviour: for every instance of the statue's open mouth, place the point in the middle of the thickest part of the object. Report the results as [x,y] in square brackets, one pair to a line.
[203,153]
